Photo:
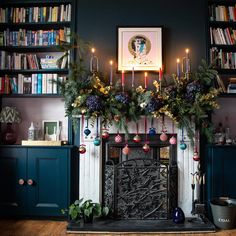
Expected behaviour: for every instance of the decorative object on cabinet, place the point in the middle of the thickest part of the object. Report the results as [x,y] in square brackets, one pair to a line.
[9,115]
[139,48]
[51,130]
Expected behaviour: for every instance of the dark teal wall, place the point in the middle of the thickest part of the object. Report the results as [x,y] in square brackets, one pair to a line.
[183,21]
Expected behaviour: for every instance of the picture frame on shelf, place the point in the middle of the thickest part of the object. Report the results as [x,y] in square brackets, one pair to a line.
[139,48]
[51,130]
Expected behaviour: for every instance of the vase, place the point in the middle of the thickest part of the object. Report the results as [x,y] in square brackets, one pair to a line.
[9,135]
[178,216]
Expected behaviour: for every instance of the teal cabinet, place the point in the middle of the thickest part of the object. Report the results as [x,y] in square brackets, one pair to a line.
[12,180]
[35,181]
[220,168]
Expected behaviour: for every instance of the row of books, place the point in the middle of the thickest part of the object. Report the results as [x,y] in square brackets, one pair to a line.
[222,13]
[225,36]
[35,14]
[231,86]
[223,60]
[34,84]
[24,37]
[19,61]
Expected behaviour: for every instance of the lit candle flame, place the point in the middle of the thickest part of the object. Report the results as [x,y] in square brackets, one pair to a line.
[178,60]
[187,50]
[93,50]
[145,74]
[111,62]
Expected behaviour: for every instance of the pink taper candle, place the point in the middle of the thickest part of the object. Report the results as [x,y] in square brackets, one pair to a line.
[160,74]
[145,80]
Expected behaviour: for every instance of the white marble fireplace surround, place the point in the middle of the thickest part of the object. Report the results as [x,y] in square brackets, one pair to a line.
[91,165]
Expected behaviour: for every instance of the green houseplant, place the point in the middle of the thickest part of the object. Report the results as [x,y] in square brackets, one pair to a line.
[87,210]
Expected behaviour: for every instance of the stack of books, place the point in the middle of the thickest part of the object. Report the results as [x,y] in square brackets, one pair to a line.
[232,85]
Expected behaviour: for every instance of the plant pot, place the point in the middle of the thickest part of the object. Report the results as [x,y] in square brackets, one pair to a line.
[88,219]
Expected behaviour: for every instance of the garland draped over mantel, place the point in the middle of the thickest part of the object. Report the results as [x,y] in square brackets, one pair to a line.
[186,99]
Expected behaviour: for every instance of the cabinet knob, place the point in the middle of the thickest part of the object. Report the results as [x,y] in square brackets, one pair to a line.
[21,182]
[30,182]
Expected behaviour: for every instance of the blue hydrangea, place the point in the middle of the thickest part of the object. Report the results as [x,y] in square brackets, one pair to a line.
[154,105]
[122,98]
[94,103]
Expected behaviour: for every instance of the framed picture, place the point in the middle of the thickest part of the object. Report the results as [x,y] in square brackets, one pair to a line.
[139,48]
[51,130]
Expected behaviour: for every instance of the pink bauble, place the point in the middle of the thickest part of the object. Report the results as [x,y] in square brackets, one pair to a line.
[118,138]
[82,149]
[146,147]
[105,134]
[126,150]
[163,137]
[173,140]
[196,156]
[137,138]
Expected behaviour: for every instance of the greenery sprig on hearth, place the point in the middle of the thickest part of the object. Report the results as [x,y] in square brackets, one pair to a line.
[187,100]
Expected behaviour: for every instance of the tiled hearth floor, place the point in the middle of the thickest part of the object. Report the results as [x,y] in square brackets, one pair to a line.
[58,228]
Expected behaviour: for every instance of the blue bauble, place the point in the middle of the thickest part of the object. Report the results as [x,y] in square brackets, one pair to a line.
[152,131]
[182,146]
[178,216]
[87,131]
[96,141]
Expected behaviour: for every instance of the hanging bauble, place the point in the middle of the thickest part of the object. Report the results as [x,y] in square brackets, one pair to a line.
[152,131]
[116,118]
[82,149]
[146,147]
[126,150]
[87,131]
[196,156]
[182,146]
[105,134]
[118,138]
[97,141]
[137,138]
[163,137]
[173,140]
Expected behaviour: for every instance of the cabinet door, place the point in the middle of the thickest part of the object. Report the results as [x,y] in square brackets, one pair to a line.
[48,169]
[13,195]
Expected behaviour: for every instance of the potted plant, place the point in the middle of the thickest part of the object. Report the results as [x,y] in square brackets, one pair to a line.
[87,210]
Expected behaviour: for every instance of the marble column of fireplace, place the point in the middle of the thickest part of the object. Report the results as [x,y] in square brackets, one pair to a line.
[90,186]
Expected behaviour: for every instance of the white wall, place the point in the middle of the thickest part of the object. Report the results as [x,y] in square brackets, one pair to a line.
[37,110]
[91,167]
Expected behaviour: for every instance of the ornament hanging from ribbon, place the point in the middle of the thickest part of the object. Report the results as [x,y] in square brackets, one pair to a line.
[126,149]
[87,131]
[196,156]
[146,147]
[163,136]
[173,140]
[82,148]
[97,140]
[182,145]
[152,130]
[137,138]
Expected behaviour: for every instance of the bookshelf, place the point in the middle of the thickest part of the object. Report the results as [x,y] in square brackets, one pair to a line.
[33,35]
[222,37]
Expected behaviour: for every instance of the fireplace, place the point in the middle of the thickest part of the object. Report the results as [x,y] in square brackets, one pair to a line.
[140,185]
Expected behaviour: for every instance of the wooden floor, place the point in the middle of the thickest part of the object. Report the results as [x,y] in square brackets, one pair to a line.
[58,228]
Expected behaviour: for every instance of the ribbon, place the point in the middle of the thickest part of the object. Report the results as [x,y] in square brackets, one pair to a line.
[82,137]
[137,128]
[145,127]
[182,134]
[97,127]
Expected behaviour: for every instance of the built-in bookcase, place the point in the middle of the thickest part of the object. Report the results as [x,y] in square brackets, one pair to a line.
[33,36]
[222,37]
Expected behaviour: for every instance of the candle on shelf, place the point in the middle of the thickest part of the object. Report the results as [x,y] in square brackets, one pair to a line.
[145,80]
[132,77]
[178,67]
[123,79]
[111,72]
[187,61]
[93,61]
